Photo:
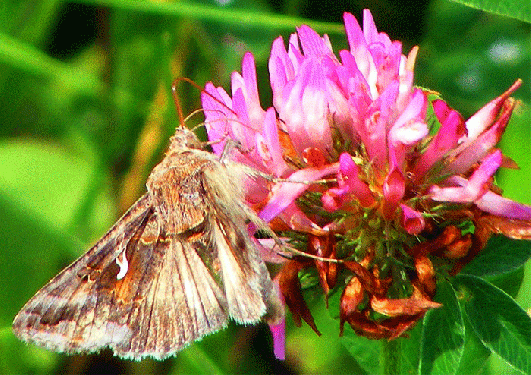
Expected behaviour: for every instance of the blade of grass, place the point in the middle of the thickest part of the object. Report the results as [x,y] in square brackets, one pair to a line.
[226,16]
[29,59]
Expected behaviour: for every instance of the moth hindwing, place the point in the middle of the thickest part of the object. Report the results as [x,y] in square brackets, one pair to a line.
[175,267]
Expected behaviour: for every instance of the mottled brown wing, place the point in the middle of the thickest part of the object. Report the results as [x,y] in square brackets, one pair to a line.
[166,299]
[172,295]
[177,265]
[65,315]
[248,288]
[201,200]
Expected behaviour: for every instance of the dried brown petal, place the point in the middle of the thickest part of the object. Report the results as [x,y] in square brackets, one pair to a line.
[364,327]
[367,279]
[289,153]
[459,248]
[386,329]
[350,299]
[486,226]
[450,234]
[319,245]
[290,287]
[446,237]
[512,228]
[508,163]
[426,274]
[413,305]
[398,326]
[332,271]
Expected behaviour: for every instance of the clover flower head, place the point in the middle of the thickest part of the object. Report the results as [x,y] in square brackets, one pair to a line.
[405,177]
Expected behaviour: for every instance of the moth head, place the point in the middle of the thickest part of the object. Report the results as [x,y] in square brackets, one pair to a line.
[184,138]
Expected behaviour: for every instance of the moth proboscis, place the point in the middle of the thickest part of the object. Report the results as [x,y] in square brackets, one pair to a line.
[175,267]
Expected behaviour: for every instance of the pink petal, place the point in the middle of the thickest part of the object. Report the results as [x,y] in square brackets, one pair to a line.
[472,189]
[410,128]
[452,128]
[305,109]
[484,117]
[216,104]
[297,220]
[241,129]
[369,27]
[280,69]
[467,154]
[334,198]
[248,84]
[500,206]
[412,221]
[278,331]
[487,168]
[350,177]
[312,44]
[284,193]
[393,191]
[268,146]
[374,134]
[359,49]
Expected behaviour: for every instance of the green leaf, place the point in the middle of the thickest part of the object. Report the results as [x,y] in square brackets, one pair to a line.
[19,358]
[501,325]
[210,13]
[365,351]
[470,58]
[519,9]
[410,346]
[50,182]
[474,360]
[501,255]
[361,349]
[329,353]
[443,335]
[26,58]
[510,283]
[196,361]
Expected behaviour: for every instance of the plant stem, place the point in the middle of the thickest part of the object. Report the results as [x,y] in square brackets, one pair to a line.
[391,355]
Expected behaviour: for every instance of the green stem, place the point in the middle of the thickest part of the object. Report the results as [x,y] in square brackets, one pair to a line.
[391,355]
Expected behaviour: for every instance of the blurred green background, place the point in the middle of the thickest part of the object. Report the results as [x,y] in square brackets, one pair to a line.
[87,112]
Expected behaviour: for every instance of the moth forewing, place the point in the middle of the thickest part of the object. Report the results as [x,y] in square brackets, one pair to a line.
[63,315]
[174,268]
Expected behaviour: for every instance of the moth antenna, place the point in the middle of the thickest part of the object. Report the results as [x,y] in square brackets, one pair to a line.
[176,99]
[311,256]
[251,172]
[230,144]
[263,226]
[192,115]
[320,181]
[178,106]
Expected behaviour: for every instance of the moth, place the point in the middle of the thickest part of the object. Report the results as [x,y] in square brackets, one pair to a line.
[175,267]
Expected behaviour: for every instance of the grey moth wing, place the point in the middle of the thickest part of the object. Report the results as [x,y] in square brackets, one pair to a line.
[72,312]
[174,268]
